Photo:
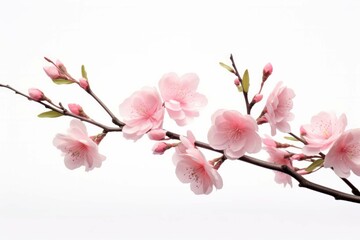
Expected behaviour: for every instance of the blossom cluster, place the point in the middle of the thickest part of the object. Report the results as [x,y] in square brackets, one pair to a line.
[322,143]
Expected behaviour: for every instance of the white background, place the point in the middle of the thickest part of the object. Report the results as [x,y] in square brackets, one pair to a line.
[313,46]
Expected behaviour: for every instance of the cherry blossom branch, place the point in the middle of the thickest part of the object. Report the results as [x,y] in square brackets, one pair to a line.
[338,195]
[61,68]
[354,190]
[115,120]
[60,109]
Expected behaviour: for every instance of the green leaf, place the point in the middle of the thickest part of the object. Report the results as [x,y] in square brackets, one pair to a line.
[83,72]
[240,89]
[314,165]
[227,67]
[50,114]
[246,81]
[61,81]
[291,138]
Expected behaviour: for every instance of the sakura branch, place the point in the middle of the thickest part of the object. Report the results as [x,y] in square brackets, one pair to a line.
[322,143]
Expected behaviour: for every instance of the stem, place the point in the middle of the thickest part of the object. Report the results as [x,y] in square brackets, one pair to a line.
[115,120]
[248,108]
[65,112]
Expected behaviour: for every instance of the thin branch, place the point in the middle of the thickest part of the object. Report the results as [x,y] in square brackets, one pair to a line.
[115,120]
[248,109]
[63,111]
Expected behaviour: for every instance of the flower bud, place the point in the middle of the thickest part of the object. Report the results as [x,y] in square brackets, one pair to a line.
[52,72]
[157,134]
[299,157]
[36,94]
[257,98]
[77,110]
[160,147]
[267,71]
[237,82]
[84,83]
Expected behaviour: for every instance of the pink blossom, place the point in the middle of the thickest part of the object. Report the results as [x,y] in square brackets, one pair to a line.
[79,149]
[344,155]
[280,157]
[192,167]
[324,129]
[141,112]
[36,94]
[234,133]
[182,102]
[278,107]
[157,134]
[160,148]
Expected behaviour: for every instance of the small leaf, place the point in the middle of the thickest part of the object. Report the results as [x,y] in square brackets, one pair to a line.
[61,81]
[83,72]
[227,67]
[314,165]
[240,89]
[291,138]
[246,81]
[49,114]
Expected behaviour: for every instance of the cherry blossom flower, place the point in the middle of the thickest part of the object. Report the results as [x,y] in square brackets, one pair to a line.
[182,102]
[344,155]
[192,167]
[278,156]
[141,112]
[79,149]
[234,133]
[324,129]
[278,107]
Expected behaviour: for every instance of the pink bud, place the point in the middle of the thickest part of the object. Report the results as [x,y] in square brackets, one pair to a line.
[84,83]
[52,72]
[77,110]
[36,94]
[267,71]
[298,156]
[237,82]
[157,134]
[160,147]
[257,98]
